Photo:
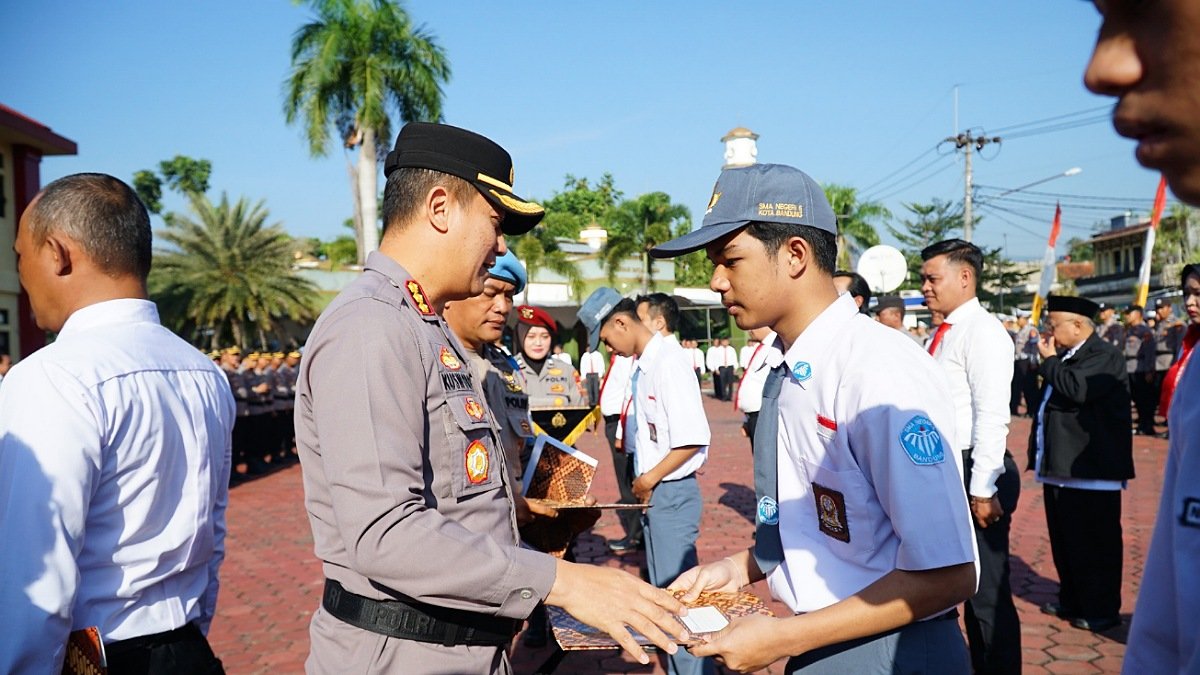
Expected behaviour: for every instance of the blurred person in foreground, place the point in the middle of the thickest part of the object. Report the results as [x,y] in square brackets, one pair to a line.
[114,451]
[1147,55]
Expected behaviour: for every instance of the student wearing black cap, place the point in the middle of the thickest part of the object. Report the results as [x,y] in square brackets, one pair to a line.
[1082,454]
[406,485]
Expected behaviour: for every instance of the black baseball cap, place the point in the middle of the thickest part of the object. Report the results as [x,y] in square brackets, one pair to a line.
[473,158]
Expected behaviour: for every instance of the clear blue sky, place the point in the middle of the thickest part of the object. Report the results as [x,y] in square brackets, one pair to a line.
[848,91]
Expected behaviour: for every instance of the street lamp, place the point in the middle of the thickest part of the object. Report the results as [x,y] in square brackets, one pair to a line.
[1073,171]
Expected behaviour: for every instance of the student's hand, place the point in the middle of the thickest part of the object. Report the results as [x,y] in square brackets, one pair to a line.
[722,576]
[747,644]
[643,488]
[612,600]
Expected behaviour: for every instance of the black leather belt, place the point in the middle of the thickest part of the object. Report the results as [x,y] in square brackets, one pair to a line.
[417,621]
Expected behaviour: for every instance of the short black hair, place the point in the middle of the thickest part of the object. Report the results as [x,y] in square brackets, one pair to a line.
[858,288]
[661,304]
[957,251]
[407,186]
[103,215]
[627,306]
[773,236]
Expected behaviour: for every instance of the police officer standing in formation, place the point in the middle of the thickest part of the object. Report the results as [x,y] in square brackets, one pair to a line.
[666,431]
[1082,456]
[1168,337]
[262,407]
[285,404]
[975,351]
[231,361]
[550,382]
[1110,330]
[863,528]
[114,451]
[1148,56]
[1025,364]
[1140,353]
[408,491]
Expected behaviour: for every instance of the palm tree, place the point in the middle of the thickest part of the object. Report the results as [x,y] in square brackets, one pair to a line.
[856,232]
[638,225]
[538,250]
[350,66]
[226,272]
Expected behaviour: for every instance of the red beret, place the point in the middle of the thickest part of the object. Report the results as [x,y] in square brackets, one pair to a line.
[534,316]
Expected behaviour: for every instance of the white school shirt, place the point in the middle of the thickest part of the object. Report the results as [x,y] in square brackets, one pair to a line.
[114,475]
[667,411]
[616,386]
[1164,637]
[976,354]
[749,392]
[744,355]
[1040,440]
[713,358]
[867,479]
[591,363]
[697,358]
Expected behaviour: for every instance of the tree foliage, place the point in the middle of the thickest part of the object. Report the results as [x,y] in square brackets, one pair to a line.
[928,223]
[538,250]
[352,66]
[855,221]
[579,205]
[638,225]
[227,274]
[181,173]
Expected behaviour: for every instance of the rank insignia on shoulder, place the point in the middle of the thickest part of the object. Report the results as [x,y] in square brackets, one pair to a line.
[1191,512]
[768,511]
[474,410]
[922,442]
[448,359]
[419,299]
[831,512]
[510,382]
[477,462]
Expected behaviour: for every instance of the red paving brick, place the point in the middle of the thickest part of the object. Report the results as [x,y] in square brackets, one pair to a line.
[271,583]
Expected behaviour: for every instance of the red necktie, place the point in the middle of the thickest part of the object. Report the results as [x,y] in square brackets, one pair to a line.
[937,337]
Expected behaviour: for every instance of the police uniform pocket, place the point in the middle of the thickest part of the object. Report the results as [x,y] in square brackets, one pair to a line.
[475,457]
[844,511]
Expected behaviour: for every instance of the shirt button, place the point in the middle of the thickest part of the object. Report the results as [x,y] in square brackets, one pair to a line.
[526,594]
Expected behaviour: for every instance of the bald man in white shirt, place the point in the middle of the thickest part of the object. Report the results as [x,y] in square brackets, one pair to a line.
[114,451]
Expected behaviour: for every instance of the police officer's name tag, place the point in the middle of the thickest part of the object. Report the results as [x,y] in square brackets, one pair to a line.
[1191,512]
[922,442]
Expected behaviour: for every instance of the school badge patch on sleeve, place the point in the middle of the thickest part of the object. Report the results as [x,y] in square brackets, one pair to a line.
[922,442]
[831,512]
[477,462]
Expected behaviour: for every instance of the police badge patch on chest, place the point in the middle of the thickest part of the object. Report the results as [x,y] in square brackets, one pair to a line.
[477,462]
[831,512]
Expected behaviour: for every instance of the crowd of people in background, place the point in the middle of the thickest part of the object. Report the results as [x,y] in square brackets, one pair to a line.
[263,385]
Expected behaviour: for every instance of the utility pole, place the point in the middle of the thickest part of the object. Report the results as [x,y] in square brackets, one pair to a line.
[965,141]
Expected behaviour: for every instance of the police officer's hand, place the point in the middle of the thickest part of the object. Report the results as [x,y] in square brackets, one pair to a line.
[723,576]
[611,600]
[986,512]
[528,510]
[747,644]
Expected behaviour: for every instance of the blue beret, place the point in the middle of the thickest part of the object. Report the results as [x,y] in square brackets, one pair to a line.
[508,268]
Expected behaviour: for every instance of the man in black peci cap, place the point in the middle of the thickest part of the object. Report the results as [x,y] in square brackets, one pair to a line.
[1082,454]
[406,482]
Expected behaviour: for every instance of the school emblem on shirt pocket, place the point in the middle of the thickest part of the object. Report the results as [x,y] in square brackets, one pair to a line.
[474,410]
[831,512]
[448,359]
[922,442]
[477,462]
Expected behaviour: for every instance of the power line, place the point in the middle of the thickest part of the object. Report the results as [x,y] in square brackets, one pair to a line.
[1036,202]
[914,183]
[1065,195]
[1065,126]
[908,164]
[1088,111]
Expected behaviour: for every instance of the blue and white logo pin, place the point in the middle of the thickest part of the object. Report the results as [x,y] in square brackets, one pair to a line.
[768,511]
[801,371]
[921,440]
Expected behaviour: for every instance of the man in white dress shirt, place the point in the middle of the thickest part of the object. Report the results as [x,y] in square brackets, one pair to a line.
[591,369]
[114,451]
[976,352]
[748,397]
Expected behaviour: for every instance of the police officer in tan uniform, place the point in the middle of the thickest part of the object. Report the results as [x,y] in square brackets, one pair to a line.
[551,382]
[408,492]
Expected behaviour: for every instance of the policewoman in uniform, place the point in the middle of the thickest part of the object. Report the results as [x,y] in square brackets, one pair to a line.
[862,523]
[550,382]
[407,488]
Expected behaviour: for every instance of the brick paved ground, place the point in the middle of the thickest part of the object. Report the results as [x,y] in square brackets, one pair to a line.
[271,583]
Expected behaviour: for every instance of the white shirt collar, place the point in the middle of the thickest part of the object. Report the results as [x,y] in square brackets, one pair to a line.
[645,360]
[123,310]
[964,311]
[812,344]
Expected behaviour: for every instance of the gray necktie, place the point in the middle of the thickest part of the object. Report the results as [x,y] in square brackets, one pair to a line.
[768,549]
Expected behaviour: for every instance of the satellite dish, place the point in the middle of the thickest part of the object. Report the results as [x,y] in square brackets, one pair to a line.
[884,267]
